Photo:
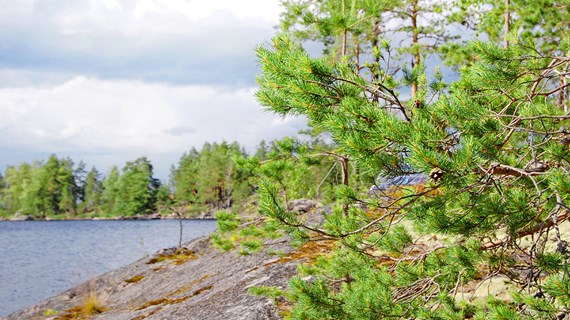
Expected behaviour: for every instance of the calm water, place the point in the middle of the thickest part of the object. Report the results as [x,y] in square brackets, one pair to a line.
[39,259]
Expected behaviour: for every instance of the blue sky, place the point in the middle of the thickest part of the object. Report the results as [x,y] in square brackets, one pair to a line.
[107,81]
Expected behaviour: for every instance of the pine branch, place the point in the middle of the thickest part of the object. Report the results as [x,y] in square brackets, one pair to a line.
[418,288]
[506,170]
[565,215]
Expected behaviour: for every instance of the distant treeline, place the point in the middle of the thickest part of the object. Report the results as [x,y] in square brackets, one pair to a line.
[215,177]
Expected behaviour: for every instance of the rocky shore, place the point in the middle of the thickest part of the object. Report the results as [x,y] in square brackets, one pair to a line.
[153,216]
[196,281]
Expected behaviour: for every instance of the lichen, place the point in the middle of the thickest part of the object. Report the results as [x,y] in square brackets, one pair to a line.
[309,251]
[163,301]
[178,256]
[188,286]
[135,279]
[168,300]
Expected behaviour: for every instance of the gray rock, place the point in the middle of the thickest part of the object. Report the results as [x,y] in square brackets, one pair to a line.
[302,205]
[211,284]
[22,217]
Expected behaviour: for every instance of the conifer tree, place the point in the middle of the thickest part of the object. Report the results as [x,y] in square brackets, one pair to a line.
[12,190]
[136,188]
[39,196]
[361,31]
[541,22]
[208,180]
[183,178]
[110,192]
[495,148]
[92,192]
[80,177]
[67,185]
[16,181]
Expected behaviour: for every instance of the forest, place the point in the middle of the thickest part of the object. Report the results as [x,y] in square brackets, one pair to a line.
[60,189]
[202,182]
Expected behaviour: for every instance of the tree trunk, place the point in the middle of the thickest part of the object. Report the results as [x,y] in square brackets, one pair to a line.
[375,41]
[345,177]
[507,22]
[416,60]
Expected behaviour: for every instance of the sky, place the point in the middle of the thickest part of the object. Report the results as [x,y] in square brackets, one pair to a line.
[108,81]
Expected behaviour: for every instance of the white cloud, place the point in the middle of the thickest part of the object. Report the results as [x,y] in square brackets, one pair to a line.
[107,81]
[199,9]
[106,122]
[153,40]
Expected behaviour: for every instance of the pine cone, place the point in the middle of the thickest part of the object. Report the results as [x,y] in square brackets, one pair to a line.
[436,174]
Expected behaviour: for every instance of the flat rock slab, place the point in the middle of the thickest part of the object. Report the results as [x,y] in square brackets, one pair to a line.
[196,282]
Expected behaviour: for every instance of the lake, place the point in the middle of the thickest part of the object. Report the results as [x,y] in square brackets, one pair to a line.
[39,259]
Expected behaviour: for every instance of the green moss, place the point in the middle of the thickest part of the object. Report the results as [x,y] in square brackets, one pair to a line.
[50,312]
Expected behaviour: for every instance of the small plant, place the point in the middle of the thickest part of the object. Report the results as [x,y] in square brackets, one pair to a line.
[227,221]
[269,292]
[50,312]
[251,246]
[222,242]
[273,252]
[92,305]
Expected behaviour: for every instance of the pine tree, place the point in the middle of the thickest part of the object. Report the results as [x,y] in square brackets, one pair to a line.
[494,146]
[136,188]
[110,192]
[183,177]
[541,22]
[42,195]
[16,181]
[361,31]
[67,185]
[208,180]
[80,176]
[93,189]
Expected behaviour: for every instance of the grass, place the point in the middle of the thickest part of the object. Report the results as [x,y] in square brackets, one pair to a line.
[91,306]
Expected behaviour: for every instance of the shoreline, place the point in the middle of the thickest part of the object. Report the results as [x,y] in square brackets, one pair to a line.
[196,281]
[119,218]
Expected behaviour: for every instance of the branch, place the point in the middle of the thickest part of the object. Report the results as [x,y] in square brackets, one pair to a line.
[392,97]
[553,90]
[505,170]
[375,221]
[530,172]
[534,229]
